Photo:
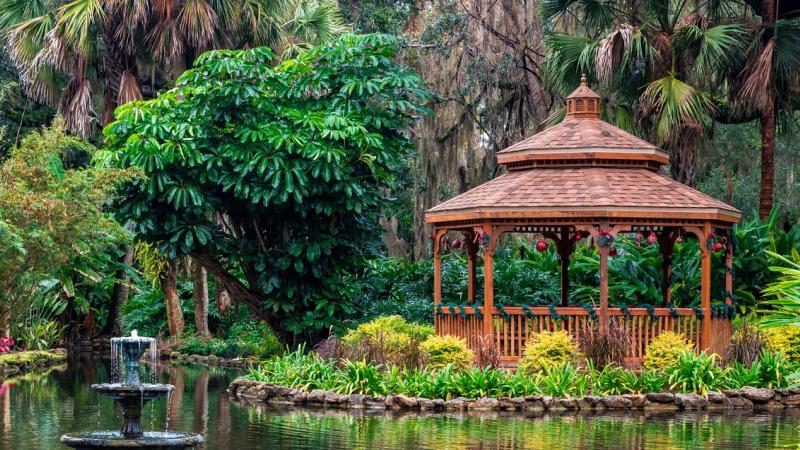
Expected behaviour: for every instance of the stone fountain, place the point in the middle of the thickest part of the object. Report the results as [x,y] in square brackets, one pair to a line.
[131,395]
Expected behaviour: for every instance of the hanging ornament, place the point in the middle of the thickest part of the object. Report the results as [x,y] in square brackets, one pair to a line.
[717,246]
[679,239]
[541,245]
[613,251]
[652,238]
[456,244]
[605,239]
[578,235]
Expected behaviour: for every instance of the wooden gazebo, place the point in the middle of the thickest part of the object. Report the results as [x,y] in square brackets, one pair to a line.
[583,178]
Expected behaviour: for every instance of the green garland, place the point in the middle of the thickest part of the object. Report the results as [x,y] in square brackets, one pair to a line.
[590,309]
[527,311]
[502,310]
[627,312]
[698,312]
[554,314]
[673,311]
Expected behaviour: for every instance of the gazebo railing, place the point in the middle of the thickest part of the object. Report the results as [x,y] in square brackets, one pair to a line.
[512,325]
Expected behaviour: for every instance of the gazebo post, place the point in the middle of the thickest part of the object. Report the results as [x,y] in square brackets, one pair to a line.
[564,252]
[488,281]
[705,287]
[666,244]
[729,269]
[437,274]
[472,250]
[603,281]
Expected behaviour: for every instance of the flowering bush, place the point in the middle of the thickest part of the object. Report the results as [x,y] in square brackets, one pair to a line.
[6,343]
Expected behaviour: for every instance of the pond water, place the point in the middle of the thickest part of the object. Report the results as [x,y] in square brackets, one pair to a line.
[36,409]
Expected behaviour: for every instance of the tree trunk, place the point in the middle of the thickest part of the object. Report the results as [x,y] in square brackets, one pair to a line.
[767,120]
[200,297]
[223,297]
[119,296]
[169,285]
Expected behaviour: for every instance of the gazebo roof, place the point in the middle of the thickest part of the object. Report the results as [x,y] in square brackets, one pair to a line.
[586,168]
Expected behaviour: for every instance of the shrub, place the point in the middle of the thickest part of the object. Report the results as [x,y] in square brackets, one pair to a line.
[698,373]
[386,340]
[488,353]
[745,346]
[41,335]
[612,380]
[664,350]
[608,348]
[786,340]
[548,349]
[254,338]
[564,380]
[440,351]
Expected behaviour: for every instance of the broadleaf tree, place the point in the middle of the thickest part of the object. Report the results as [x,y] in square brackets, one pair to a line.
[272,174]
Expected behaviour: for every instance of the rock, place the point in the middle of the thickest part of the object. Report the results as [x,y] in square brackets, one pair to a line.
[637,400]
[568,403]
[518,403]
[377,402]
[300,397]
[791,400]
[485,404]
[715,397]
[355,401]
[405,402]
[425,404]
[691,401]
[548,401]
[534,403]
[660,406]
[660,397]
[757,395]
[738,403]
[732,392]
[456,404]
[438,404]
[768,405]
[616,402]
[505,404]
[317,396]
[593,401]
[334,399]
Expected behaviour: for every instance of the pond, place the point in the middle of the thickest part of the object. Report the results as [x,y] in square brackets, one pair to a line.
[36,409]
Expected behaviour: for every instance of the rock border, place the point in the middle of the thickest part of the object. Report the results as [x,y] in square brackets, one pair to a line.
[211,360]
[55,356]
[747,398]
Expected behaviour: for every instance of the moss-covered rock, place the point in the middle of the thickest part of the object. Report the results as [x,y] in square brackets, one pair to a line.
[11,363]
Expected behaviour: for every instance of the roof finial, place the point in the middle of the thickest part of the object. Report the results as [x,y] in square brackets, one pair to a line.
[584,81]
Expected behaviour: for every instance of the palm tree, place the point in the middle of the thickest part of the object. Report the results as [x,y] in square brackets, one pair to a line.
[771,77]
[65,50]
[661,64]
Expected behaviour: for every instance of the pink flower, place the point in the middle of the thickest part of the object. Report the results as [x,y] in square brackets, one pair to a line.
[6,343]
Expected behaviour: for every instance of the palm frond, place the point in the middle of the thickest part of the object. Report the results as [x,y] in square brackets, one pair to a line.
[198,23]
[568,57]
[315,21]
[715,47]
[610,52]
[757,89]
[128,90]
[78,24]
[675,106]
[77,108]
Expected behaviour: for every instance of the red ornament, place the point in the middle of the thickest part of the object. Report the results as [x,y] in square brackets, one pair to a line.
[717,246]
[711,235]
[679,239]
[541,245]
[613,251]
[652,238]
[578,236]
[457,244]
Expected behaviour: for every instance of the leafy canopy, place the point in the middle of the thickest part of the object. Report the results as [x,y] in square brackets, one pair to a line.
[271,175]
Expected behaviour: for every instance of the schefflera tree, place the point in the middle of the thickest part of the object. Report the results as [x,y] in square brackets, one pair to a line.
[272,174]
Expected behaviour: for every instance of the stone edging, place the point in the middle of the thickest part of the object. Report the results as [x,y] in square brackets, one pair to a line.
[210,360]
[745,398]
[55,356]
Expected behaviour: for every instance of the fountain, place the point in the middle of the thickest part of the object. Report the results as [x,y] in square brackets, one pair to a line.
[131,394]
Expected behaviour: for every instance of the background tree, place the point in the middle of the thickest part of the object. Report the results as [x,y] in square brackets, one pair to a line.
[291,159]
[69,50]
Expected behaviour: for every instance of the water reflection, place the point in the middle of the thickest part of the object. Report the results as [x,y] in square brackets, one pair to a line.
[36,409]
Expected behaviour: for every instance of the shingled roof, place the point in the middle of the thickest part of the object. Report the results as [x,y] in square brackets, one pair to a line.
[583,167]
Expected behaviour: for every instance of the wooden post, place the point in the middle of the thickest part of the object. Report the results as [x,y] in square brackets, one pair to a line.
[488,281]
[472,251]
[564,252]
[705,287]
[729,269]
[603,280]
[437,275]
[666,244]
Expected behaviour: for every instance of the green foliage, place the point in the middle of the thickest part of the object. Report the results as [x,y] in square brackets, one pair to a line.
[55,231]
[391,336]
[784,340]
[564,380]
[665,350]
[441,351]
[254,338]
[40,335]
[548,349]
[294,156]
[695,372]
[784,296]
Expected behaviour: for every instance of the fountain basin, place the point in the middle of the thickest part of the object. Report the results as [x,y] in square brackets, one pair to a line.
[151,440]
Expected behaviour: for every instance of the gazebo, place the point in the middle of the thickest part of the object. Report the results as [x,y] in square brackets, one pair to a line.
[583,179]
